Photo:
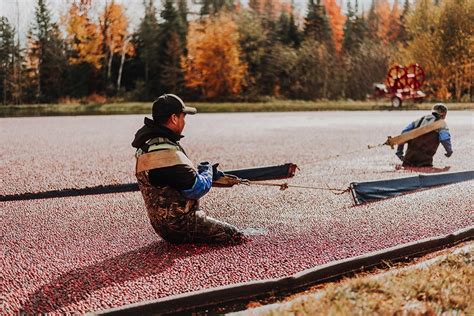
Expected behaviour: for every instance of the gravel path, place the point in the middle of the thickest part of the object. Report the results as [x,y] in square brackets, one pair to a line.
[87,253]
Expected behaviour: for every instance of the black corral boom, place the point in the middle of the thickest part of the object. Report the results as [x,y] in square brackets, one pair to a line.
[254,174]
[265,173]
[369,191]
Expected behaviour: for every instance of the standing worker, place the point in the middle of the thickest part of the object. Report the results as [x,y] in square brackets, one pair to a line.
[170,184]
[421,150]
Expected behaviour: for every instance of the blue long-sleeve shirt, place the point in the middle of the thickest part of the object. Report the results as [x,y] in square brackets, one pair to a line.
[202,184]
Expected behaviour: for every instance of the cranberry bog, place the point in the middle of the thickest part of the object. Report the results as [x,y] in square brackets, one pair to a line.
[88,253]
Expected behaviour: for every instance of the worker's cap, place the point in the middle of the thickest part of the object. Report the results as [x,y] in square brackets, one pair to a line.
[169,104]
[440,108]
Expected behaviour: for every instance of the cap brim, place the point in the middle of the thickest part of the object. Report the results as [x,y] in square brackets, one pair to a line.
[189,110]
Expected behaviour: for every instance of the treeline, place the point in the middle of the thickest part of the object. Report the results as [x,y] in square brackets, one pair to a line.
[226,51]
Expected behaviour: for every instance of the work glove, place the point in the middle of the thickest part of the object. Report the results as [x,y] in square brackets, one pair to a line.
[204,166]
[400,155]
[448,154]
[216,173]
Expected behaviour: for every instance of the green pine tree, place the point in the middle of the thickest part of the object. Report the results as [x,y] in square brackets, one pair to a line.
[354,29]
[317,25]
[170,49]
[183,20]
[253,41]
[52,60]
[287,31]
[146,43]
[10,60]
[211,7]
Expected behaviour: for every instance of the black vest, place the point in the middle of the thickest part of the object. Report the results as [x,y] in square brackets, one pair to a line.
[421,150]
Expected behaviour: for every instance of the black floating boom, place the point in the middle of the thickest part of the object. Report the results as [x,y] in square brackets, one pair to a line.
[369,191]
[253,174]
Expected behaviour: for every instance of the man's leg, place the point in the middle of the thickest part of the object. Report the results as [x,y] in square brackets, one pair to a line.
[196,227]
[205,229]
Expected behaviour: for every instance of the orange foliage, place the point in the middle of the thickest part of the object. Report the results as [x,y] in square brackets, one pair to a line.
[383,11]
[114,25]
[32,59]
[272,8]
[213,62]
[84,37]
[394,22]
[336,20]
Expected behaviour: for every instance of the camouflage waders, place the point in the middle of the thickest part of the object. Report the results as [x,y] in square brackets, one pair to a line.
[179,220]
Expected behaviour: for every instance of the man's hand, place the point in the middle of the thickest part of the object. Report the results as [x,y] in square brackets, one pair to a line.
[216,173]
[448,154]
[400,155]
[203,166]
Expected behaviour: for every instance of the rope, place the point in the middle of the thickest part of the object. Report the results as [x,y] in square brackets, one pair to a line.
[336,191]
[376,146]
[285,185]
[351,152]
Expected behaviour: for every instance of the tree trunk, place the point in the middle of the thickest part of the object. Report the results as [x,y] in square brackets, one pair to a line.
[4,91]
[109,64]
[122,61]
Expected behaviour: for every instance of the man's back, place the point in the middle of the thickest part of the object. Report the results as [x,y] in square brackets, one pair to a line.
[421,150]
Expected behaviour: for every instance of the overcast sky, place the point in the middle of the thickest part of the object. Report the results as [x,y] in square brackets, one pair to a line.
[134,9]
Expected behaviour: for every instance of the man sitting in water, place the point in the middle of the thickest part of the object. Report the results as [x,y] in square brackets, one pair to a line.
[421,150]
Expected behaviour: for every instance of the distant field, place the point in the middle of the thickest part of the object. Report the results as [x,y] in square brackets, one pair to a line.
[273,106]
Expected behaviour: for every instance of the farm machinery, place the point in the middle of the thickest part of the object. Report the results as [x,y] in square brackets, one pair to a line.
[401,84]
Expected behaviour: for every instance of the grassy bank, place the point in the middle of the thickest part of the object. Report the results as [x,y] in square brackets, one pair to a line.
[442,286]
[273,106]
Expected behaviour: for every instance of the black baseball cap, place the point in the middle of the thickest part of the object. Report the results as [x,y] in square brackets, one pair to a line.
[169,104]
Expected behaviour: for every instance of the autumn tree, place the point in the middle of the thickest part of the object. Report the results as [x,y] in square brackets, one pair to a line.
[269,8]
[422,48]
[402,32]
[213,62]
[384,20]
[393,32]
[373,20]
[455,47]
[84,37]
[336,21]
[116,39]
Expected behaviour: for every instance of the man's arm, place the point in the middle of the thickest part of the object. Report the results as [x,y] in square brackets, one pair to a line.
[191,184]
[400,147]
[445,140]
[180,177]
[202,184]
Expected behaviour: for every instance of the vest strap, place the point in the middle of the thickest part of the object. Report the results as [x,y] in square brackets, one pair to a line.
[161,146]
[161,159]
